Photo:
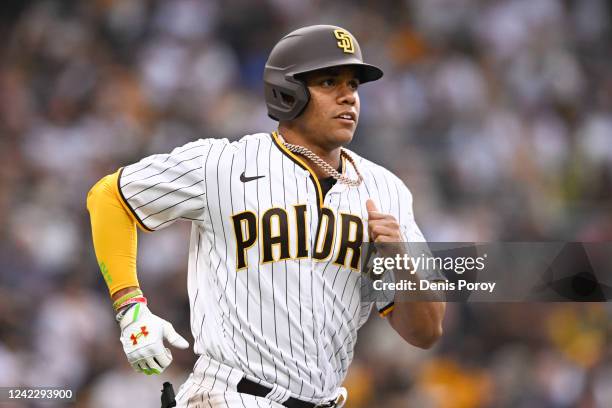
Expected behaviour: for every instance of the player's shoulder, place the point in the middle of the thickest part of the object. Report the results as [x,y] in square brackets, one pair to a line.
[247,141]
[255,137]
[370,169]
[367,164]
[254,141]
[236,144]
[204,143]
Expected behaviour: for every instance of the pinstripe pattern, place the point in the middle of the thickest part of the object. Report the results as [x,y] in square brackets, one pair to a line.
[290,324]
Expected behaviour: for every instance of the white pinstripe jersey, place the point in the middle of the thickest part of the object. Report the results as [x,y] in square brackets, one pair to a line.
[268,297]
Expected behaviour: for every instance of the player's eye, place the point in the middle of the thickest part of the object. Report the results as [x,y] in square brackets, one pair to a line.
[328,82]
[354,84]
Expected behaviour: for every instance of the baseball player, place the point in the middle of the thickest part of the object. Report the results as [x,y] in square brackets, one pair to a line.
[278,220]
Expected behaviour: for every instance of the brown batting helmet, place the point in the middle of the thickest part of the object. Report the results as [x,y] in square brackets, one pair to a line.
[304,50]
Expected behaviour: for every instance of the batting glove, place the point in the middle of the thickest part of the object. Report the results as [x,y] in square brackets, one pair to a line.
[142,336]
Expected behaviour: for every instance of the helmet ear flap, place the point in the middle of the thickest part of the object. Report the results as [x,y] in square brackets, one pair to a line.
[286,101]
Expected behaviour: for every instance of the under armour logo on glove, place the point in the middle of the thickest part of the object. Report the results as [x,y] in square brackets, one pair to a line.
[134,337]
[143,335]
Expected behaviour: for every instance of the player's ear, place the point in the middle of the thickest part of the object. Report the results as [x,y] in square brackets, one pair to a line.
[287,99]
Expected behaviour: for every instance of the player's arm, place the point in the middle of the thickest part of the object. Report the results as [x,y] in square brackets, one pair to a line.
[418,322]
[115,243]
[114,236]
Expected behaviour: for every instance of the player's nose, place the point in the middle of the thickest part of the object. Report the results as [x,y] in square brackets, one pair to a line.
[347,94]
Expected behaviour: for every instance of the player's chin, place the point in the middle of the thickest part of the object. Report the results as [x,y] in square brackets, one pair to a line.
[343,135]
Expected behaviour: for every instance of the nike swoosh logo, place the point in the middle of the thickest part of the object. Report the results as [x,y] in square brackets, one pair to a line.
[246,179]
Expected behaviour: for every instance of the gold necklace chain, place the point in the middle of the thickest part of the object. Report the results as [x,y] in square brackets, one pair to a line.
[326,167]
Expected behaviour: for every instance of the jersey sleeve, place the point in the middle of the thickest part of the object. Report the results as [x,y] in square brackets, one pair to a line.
[162,188]
[412,236]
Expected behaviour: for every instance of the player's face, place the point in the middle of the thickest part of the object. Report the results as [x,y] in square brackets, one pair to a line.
[331,116]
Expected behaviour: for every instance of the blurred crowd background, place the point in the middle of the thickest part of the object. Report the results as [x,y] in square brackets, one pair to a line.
[497,115]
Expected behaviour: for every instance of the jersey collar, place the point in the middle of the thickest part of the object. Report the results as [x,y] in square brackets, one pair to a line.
[299,161]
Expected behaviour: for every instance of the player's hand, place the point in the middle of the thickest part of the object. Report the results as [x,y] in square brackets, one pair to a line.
[142,336]
[382,227]
[384,231]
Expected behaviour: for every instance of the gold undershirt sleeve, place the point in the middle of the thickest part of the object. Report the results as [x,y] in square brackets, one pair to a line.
[114,234]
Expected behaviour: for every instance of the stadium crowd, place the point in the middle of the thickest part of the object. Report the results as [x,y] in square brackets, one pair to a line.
[497,115]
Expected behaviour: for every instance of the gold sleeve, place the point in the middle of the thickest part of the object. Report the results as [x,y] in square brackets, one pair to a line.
[114,234]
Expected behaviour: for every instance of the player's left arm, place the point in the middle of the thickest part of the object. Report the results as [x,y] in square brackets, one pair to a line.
[418,322]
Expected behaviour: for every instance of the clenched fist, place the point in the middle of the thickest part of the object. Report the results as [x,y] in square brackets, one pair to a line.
[382,227]
[385,232]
